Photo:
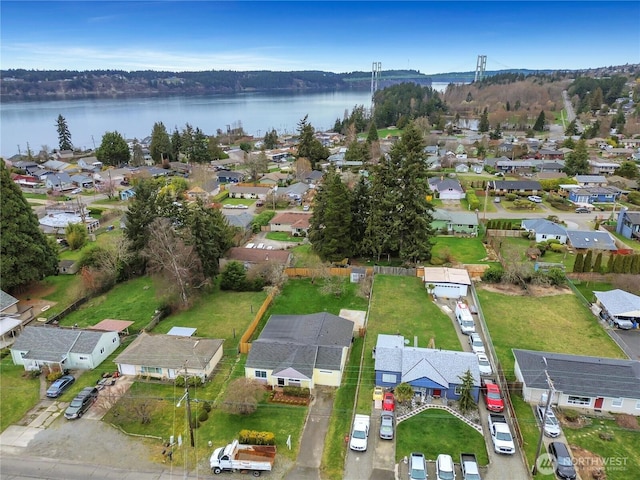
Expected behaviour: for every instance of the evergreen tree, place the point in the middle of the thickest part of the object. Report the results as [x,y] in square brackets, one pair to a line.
[540,122]
[508,106]
[271,139]
[597,265]
[577,266]
[199,151]
[577,162]
[64,135]
[588,261]
[610,262]
[210,235]
[469,97]
[308,146]
[142,211]
[137,155]
[626,263]
[113,150]
[176,145]
[26,255]
[484,126]
[160,146]
[635,264]
[360,211]
[466,401]
[618,264]
[372,136]
[572,129]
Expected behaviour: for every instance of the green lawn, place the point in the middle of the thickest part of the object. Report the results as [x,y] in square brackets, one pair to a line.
[628,242]
[516,247]
[283,237]
[304,256]
[459,249]
[104,238]
[35,196]
[402,305]
[17,393]
[620,453]
[528,427]
[433,432]
[559,323]
[239,201]
[587,288]
[335,449]
[62,290]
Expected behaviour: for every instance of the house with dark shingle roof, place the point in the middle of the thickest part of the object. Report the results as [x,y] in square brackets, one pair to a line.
[166,356]
[66,348]
[591,240]
[515,186]
[431,372]
[292,222]
[301,350]
[628,224]
[447,188]
[587,384]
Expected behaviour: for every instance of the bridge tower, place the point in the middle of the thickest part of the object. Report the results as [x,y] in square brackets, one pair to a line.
[376,69]
[481,66]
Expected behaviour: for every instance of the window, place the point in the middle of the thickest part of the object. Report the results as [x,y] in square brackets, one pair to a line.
[616,402]
[144,369]
[281,382]
[294,382]
[638,405]
[102,350]
[113,340]
[82,358]
[573,400]
[458,390]
[544,236]
[261,374]
[388,378]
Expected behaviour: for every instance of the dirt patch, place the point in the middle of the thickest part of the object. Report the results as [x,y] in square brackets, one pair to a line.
[532,290]
[280,397]
[34,296]
[574,422]
[627,421]
[588,464]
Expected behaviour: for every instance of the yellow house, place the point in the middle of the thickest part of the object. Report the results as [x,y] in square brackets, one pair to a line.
[301,350]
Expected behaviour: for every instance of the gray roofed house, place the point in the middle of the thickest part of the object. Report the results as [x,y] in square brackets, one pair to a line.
[301,350]
[591,180]
[70,348]
[455,222]
[8,303]
[619,304]
[617,388]
[628,224]
[295,189]
[447,188]
[167,356]
[242,220]
[508,186]
[431,372]
[545,230]
[593,240]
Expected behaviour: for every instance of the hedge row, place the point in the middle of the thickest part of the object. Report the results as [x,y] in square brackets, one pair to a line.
[474,203]
[253,437]
[303,392]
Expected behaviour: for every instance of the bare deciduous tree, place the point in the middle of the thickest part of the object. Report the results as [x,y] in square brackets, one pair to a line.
[138,408]
[172,260]
[302,168]
[256,164]
[242,396]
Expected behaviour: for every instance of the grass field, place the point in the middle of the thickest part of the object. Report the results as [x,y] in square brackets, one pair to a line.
[18,394]
[459,249]
[402,305]
[558,323]
[587,288]
[433,432]
[283,237]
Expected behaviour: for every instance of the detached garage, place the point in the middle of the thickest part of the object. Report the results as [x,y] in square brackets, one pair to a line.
[446,282]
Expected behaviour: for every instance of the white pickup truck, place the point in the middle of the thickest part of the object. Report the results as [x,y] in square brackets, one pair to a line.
[243,458]
[469,467]
[501,434]
[359,433]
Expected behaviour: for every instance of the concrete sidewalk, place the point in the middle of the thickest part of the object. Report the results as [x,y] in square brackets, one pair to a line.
[307,465]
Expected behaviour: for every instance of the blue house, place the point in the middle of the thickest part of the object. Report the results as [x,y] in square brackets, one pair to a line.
[431,373]
[594,195]
[628,224]
[127,194]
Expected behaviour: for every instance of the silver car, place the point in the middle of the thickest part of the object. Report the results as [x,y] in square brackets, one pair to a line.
[551,425]
[386,425]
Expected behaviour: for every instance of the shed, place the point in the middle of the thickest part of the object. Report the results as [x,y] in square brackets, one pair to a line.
[110,325]
[447,282]
[357,274]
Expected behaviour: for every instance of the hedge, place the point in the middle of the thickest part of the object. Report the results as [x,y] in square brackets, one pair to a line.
[253,437]
[303,392]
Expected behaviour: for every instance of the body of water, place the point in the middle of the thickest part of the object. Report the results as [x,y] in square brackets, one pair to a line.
[34,122]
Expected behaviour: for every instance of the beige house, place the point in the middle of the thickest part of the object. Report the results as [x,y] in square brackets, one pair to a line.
[301,351]
[291,222]
[166,357]
[586,384]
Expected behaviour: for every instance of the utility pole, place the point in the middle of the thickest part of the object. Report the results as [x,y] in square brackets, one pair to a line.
[534,470]
[188,406]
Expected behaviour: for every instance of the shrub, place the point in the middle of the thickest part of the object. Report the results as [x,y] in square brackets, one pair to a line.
[195,423]
[53,376]
[254,437]
[570,415]
[5,352]
[557,247]
[471,197]
[206,406]
[204,415]
[297,391]
[493,275]
[511,196]
[634,197]
[193,381]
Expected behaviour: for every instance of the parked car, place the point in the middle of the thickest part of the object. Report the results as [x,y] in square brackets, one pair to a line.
[378,393]
[417,466]
[484,364]
[305,208]
[496,200]
[492,396]
[75,191]
[561,460]
[387,421]
[583,210]
[388,402]
[58,387]
[551,427]
[623,323]
[81,403]
[444,467]
[534,198]
[477,346]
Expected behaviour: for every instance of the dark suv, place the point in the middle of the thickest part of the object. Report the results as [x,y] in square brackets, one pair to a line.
[81,403]
[562,462]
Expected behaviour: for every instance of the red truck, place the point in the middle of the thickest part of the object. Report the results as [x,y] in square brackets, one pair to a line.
[492,396]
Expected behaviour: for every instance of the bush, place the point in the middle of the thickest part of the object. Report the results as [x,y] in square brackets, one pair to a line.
[570,415]
[53,376]
[206,406]
[193,381]
[493,275]
[195,422]
[5,352]
[634,197]
[254,437]
[511,196]
[203,417]
[297,391]
[474,203]
[557,247]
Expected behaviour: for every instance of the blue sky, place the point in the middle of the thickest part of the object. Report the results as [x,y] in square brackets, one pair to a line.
[432,37]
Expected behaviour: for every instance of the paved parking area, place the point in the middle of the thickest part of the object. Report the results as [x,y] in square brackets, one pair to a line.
[629,340]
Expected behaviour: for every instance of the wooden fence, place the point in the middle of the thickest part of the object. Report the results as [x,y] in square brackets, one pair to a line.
[504,233]
[318,272]
[244,345]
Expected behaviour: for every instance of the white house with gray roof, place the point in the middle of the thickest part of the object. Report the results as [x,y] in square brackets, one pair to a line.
[591,240]
[545,230]
[301,350]
[586,384]
[66,348]
[431,372]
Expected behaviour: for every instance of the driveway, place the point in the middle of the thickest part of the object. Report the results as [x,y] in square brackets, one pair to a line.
[629,340]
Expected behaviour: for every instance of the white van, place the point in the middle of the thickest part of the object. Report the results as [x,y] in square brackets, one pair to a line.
[465,318]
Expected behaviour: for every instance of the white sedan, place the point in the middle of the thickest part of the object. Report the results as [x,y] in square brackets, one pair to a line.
[484,364]
[477,346]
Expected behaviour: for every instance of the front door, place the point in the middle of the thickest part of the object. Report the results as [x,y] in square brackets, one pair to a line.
[598,404]
[437,393]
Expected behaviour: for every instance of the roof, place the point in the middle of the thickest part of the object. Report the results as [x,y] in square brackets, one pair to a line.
[169,351]
[240,220]
[6,300]
[591,178]
[516,185]
[446,275]
[620,303]
[444,367]
[7,324]
[457,218]
[110,325]
[442,185]
[53,344]
[591,239]
[298,219]
[182,331]
[298,188]
[633,217]
[300,343]
[574,374]
[543,227]
[258,255]
[257,189]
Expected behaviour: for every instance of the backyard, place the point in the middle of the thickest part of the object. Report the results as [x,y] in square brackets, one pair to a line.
[448,249]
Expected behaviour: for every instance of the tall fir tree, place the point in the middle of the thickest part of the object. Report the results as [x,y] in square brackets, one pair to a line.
[597,265]
[578,264]
[372,136]
[360,211]
[484,126]
[160,147]
[610,262]
[541,122]
[588,261]
[27,254]
[64,135]
[210,235]
[577,162]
